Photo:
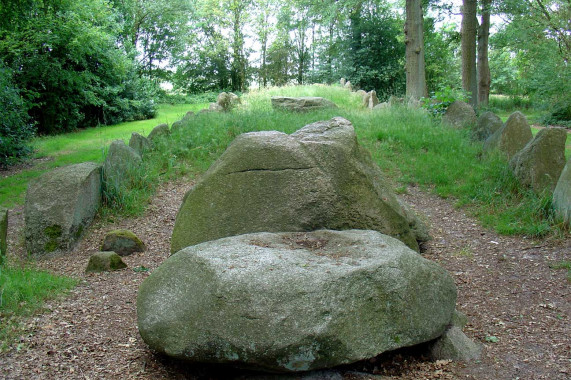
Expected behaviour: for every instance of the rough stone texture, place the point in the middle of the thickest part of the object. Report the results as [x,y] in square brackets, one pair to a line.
[342,82]
[294,301]
[382,106]
[120,160]
[393,100]
[318,177]
[488,124]
[302,104]
[540,162]
[228,101]
[562,194]
[348,86]
[373,100]
[512,137]
[122,242]
[459,319]
[215,107]
[105,262]
[160,130]
[3,234]
[362,94]
[460,115]
[455,345]
[188,115]
[60,205]
[139,143]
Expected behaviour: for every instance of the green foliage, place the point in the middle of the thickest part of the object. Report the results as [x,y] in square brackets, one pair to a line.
[15,125]
[23,291]
[563,264]
[440,100]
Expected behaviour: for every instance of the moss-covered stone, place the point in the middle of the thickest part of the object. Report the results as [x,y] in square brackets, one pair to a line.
[455,345]
[460,115]
[562,194]
[161,130]
[512,137]
[488,124]
[60,205]
[139,143]
[318,177]
[293,302]
[121,162]
[105,262]
[301,104]
[123,242]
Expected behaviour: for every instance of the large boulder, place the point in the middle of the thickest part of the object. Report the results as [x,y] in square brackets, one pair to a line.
[291,302]
[3,234]
[488,124]
[60,205]
[318,177]
[460,115]
[512,137]
[540,162]
[161,130]
[121,160]
[370,99]
[301,104]
[562,194]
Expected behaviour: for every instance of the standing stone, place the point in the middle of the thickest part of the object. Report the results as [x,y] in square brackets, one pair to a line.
[120,163]
[455,345]
[540,162]
[382,106]
[139,143]
[177,125]
[348,86]
[562,194]
[373,100]
[59,207]
[188,115]
[292,302]
[318,177]
[342,82]
[362,94]
[160,130]
[512,137]
[104,262]
[460,115]
[488,124]
[227,101]
[3,234]
[122,242]
[301,104]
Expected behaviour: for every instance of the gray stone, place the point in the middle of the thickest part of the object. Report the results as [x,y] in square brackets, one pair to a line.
[292,302]
[302,104]
[120,163]
[382,106]
[215,107]
[59,207]
[562,194]
[139,143]
[348,86]
[460,115]
[394,100]
[104,262]
[188,115]
[318,177]
[512,137]
[122,242]
[161,130]
[177,125]
[488,124]
[362,94]
[540,162]
[455,345]
[459,319]
[228,101]
[370,99]
[342,82]
[3,234]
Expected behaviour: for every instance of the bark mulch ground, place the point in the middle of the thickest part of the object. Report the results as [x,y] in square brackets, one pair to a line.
[519,308]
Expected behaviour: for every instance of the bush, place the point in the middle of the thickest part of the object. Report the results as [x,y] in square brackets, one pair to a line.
[440,100]
[15,126]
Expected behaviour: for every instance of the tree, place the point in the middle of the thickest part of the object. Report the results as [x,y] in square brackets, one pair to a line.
[414,42]
[484,78]
[469,29]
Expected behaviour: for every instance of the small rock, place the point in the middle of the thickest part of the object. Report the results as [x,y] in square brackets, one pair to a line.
[105,262]
[123,242]
[139,143]
[455,345]
[158,131]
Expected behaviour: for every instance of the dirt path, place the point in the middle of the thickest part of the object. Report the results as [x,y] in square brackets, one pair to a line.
[505,286]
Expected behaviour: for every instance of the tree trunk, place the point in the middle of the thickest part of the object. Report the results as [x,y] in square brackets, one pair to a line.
[414,41]
[483,64]
[468,33]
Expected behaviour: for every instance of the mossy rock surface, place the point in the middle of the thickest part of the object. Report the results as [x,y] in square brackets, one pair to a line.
[455,345]
[512,137]
[562,194]
[161,130]
[123,242]
[121,161]
[59,207]
[290,302]
[105,262]
[488,124]
[318,177]
[301,104]
[460,115]
[139,143]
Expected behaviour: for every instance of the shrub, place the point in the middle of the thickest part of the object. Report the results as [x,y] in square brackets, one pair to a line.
[440,100]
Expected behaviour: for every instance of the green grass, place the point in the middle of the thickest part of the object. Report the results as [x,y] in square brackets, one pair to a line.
[84,145]
[23,291]
[564,264]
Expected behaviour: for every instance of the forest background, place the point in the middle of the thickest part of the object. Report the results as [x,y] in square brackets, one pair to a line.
[70,64]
